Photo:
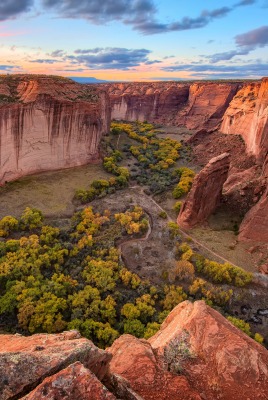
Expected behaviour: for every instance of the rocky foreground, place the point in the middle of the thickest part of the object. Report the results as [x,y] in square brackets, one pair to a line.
[197,354]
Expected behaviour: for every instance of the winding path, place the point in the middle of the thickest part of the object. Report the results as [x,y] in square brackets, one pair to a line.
[185,234]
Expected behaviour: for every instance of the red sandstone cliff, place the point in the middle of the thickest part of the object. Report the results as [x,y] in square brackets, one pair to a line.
[48,123]
[205,193]
[197,105]
[197,354]
[247,115]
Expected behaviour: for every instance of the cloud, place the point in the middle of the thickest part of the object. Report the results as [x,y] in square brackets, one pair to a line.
[99,12]
[57,53]
[140,14]
[44,61]
[257,38]
[245,3]
[9,68]
[11,8]
[255,69]
[111,58]
[245,42]
[100,58]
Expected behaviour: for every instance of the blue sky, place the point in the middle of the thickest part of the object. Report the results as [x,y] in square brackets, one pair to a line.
[135,40]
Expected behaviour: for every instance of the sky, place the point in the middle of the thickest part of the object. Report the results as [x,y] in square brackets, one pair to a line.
[139,40]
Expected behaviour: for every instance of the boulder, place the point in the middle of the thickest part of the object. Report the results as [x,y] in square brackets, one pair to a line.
[73,382]
[26,361]
[218,359]
[134,360]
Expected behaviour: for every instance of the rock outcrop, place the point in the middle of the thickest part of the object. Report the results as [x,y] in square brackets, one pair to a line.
[197,354]
[26,361]
[205,193]
[48,123]
[135,361]
[73,382]
[223,363]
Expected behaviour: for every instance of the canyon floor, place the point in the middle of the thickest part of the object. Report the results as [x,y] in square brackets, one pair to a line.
[53,192]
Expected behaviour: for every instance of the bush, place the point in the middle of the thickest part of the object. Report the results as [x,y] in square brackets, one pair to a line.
[8,224]
[177,206]
[162,214]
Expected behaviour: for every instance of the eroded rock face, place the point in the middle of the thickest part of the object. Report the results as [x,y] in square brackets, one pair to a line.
[255,224]
[225,363]
[134,360]
[198,105]
[73,382]
[247,115]
[26,361]
[49,123]
[205,193]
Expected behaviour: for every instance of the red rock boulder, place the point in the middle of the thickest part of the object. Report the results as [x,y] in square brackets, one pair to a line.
[135,361]
[26,361]
[74,382]
[219,360]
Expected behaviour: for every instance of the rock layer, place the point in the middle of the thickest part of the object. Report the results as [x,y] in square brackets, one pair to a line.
[205,193]
[48,123]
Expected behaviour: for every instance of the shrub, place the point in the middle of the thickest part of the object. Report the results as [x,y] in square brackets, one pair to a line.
[8,224]
[162,214]
[177,206]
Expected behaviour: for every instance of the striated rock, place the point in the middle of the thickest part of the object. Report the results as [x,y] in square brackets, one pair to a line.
[198,105]
[135,361]
[205,193]
[207,103]
[154,102]
[247,115]
[73,382]
[255,224]
[225,364]
[26,361]
[49,123]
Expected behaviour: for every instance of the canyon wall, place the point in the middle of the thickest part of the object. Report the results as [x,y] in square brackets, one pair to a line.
[48,123]
[194,105]
[247,115]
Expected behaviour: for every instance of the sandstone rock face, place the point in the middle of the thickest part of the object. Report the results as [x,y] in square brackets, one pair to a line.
[225,364]
[134,360]
[73,382]
[207,103]
[255,224]
[49,123]
[26,361]
[205,193]
[247,115]
[198,105]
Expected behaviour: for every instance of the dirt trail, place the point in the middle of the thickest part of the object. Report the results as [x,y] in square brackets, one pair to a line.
[186,235]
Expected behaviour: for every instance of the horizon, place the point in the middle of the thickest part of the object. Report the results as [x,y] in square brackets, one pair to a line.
[142,40]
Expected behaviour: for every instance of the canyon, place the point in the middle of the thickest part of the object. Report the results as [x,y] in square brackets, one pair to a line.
[48,123]
[197,354]
[51,123]
[231,108]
